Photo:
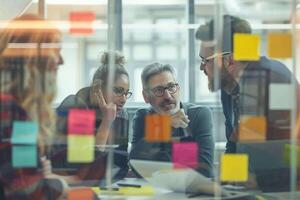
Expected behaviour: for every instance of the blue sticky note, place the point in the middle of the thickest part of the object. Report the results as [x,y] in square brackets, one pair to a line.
[24,132]
[24,156]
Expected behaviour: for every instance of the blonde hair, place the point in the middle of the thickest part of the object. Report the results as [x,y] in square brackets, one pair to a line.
[25,74]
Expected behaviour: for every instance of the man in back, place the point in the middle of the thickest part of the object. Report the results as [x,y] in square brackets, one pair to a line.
[243,83]
[189,122]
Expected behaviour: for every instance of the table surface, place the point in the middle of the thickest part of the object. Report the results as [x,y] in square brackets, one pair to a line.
[170,195]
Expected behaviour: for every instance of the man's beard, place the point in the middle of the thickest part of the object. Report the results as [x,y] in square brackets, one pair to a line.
[224,81]
[164,103]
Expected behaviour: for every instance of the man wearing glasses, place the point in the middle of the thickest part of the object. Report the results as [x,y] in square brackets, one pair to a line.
[236,79]
[189,122]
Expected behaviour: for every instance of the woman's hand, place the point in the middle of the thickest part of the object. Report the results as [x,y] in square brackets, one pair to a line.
[108,110]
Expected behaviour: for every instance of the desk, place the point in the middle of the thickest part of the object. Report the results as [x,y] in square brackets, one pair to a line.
[161,194]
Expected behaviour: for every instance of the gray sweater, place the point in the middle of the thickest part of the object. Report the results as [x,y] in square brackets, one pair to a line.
[199,130]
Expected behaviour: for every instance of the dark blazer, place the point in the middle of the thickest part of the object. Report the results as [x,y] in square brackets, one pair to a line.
[232,109]
[199,130]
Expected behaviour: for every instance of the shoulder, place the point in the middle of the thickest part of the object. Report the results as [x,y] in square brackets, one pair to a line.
[123,114]
[193,109]
[77,100]
[142,112]
[279,72]
[200,117]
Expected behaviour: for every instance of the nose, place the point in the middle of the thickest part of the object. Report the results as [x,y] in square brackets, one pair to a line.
[202,66]
[167,94]
[61,60]
[123,98]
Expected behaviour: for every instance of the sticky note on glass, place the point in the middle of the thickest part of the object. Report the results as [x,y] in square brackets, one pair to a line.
[287,153]
[24,156]
[80,148]
[246,47]
[234,167]
[185,154]
[81,122]
[82,22]
[280,45]
[158,128]
[24,132]
[277,92]
[142,191]
[252,128]
[81,193]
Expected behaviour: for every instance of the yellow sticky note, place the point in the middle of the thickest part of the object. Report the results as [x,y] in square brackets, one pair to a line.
[80,148]
[252,128]
[280,45]
[246,47]
[127,191]
[142,191]
[234,167]
[287,153]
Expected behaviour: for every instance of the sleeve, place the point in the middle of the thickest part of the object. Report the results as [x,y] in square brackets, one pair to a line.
[138,125]
[202,129]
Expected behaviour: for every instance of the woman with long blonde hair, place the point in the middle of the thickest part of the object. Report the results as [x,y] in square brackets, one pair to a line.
[29,58]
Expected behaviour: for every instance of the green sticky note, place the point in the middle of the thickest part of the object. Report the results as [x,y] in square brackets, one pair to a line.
[246,47]
[80,148]
[24,132]
[234,167]
[24,156]
[287,153]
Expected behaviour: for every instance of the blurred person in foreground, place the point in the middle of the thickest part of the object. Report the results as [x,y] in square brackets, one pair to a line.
[29,59]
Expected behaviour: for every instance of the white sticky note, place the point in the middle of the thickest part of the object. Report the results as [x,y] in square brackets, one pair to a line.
[281,96]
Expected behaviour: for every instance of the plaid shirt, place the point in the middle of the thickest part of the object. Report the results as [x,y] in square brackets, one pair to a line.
[9,111]
[21,181]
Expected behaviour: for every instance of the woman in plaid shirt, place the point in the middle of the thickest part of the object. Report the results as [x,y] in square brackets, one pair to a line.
[27,88]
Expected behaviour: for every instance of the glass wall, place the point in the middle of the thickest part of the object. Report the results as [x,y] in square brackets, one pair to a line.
[226,118]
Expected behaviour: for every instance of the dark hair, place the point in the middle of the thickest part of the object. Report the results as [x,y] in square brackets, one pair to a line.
[231,25]
[103,70]
[154,69]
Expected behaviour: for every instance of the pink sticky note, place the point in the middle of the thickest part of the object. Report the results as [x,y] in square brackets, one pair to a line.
[81,122]
[185,154]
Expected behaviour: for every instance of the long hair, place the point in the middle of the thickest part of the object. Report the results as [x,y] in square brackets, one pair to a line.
[28,70]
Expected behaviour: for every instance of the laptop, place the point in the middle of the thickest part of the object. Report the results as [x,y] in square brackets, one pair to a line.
[267,162]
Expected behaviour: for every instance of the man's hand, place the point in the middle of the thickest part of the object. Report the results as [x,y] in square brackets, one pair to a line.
[46,167]
[180,119]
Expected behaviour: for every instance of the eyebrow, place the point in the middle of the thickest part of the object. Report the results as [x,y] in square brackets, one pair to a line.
[165,85]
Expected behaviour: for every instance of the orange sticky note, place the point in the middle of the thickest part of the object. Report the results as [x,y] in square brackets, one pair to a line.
[158,128]
[80,148]
[82,22]
[280,45]
[80,194]
[234,167]
[246,47]
[185,154]
[252,128]
[81,121]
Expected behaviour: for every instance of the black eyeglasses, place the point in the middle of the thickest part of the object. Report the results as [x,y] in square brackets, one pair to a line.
[121,91]
[159,91]
[204,61]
